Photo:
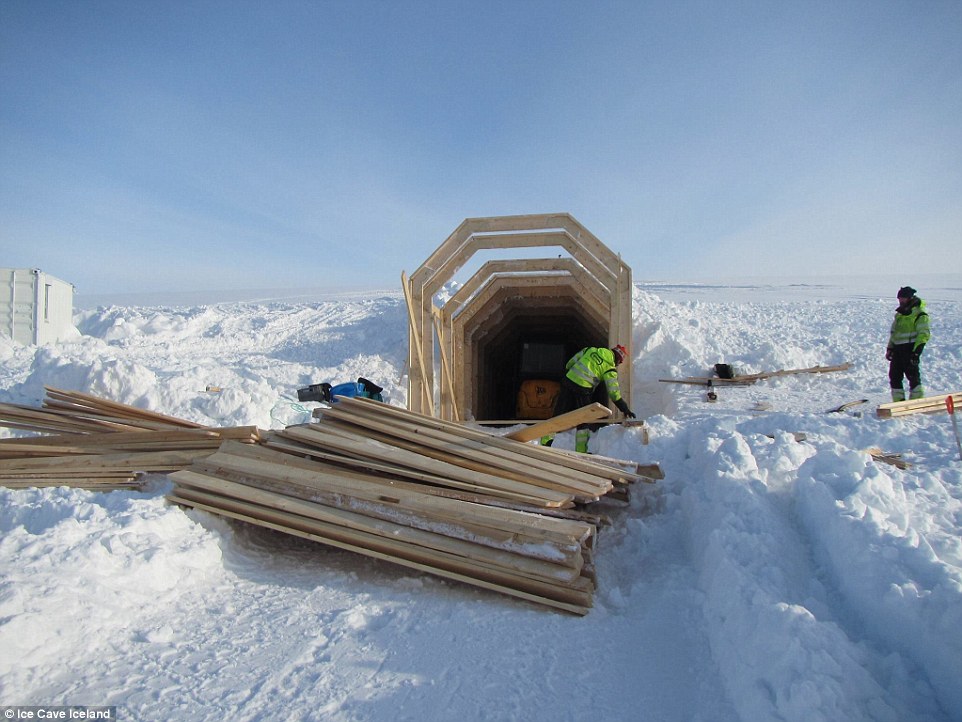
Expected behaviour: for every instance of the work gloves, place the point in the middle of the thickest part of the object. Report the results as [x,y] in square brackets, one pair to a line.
[623,408]
[913,359]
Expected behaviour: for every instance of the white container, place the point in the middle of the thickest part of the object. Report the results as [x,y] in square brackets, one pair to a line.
[35,307]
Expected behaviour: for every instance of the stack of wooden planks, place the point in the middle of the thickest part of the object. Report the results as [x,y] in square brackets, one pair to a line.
[926,405]
[430,495]
[93,443]
[424,493]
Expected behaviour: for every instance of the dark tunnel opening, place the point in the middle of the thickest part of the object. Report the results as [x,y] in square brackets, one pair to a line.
[525,344]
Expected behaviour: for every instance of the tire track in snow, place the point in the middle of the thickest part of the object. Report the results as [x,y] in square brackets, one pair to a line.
[764,603]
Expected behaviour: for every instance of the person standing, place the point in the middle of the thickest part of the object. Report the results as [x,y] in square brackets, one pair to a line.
[907,339]
[585,372]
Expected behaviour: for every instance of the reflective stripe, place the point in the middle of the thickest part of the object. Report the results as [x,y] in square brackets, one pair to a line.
[590,366]
[910,328]
[580,371]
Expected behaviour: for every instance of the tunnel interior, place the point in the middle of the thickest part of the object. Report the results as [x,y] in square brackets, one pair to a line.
[526,339]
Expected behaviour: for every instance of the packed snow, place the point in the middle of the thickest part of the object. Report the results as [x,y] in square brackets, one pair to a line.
[777,572]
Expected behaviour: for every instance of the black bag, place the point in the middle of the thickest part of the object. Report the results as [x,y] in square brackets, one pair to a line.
[724,371]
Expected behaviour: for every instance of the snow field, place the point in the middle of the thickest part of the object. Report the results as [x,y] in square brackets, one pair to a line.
[765,578]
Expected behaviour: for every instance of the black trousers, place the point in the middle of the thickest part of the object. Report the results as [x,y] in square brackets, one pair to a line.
[901,365]
[571,397]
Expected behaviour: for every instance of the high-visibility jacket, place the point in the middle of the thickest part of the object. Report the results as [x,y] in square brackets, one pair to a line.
[911,327]
[590,366]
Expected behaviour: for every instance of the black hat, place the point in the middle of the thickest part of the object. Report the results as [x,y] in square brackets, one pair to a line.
[906,292]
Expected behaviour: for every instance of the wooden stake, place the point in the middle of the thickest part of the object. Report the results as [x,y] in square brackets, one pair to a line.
[428,392]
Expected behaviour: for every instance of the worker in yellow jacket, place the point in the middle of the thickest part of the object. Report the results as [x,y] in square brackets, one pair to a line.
[585,372]
[907,339]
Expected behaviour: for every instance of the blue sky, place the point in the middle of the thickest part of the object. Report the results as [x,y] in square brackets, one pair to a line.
[152,146]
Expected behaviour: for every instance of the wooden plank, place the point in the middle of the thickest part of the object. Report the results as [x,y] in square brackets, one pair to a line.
[503,446]
[744,379]
[704,381]
[457,456]
[643,472]
[517,520]
[367,497]
[789,372]
[513,560]
[458,476]
[571,600]
[107,421]
[894,459]
[439,484]
[432,484]
[445,366]
[65,473]
[562,422]
[925,405]
[132,411]
[118,436]
[545,457]
[480,450]
[14,451]
[91,484]
[465,476]
[257,462]
[136,461]
[428,388]
[30,419]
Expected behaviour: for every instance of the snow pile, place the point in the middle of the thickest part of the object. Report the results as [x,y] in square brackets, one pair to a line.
[778,572]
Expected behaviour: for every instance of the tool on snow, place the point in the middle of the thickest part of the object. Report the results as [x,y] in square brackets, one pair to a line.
[846,406]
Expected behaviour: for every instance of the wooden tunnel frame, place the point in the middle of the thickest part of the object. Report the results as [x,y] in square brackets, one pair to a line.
[589,292]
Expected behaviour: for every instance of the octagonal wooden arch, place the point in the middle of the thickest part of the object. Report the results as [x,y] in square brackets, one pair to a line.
[496,308]
[594,277]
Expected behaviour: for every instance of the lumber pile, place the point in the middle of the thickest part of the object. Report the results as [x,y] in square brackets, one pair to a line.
[748,379]
[926,405]
[424,493]
[73,412]
[87,442]
[427,494]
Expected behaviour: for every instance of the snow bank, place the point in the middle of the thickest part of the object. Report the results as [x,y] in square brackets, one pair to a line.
[92,570]
[893,551]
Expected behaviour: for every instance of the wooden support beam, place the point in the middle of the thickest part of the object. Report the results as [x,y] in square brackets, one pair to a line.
[562,422]
[427,382]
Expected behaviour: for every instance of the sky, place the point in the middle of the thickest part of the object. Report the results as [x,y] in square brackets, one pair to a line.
[176,146]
